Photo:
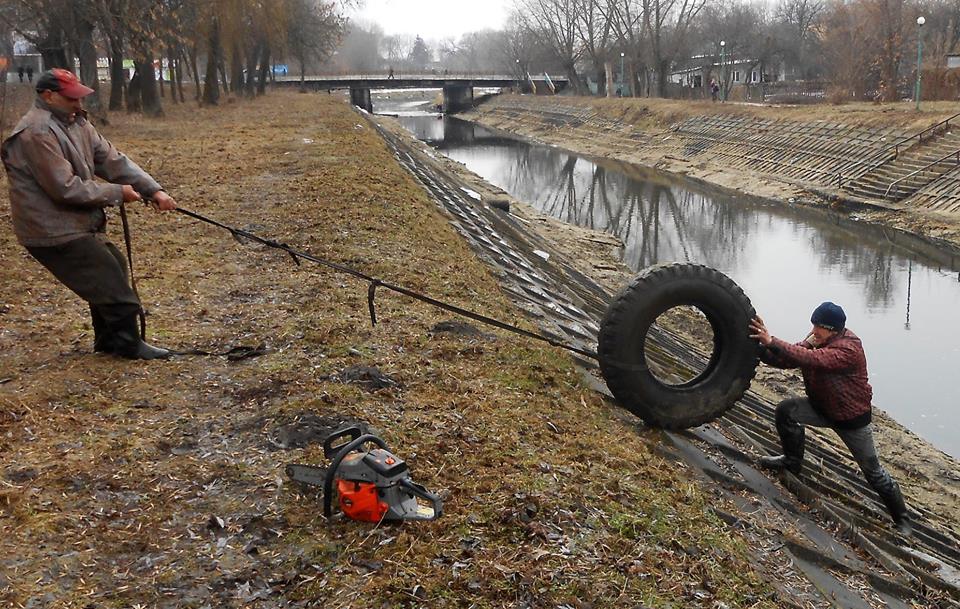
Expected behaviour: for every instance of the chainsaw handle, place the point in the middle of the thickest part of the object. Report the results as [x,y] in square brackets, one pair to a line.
[335,465]
[419,491]
[329,449]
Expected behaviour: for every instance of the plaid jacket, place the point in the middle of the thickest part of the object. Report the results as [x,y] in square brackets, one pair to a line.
[52,169]
[834,375]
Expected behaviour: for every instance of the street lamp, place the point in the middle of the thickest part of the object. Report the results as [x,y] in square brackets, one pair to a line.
[621,73]
[723,76]
[920,22]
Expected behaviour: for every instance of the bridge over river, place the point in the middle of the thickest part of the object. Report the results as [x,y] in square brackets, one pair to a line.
[457,88]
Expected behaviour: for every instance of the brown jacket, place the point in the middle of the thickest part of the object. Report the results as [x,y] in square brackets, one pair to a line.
[52,165]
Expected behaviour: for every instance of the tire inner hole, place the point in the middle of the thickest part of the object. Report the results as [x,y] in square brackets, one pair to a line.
[676,333]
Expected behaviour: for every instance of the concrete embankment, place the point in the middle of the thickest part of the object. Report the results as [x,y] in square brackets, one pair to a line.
[860,160]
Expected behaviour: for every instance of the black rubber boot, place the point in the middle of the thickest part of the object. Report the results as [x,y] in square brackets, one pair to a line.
[102,335]
[893,499]
[127,342]
[791,438]
[780,462]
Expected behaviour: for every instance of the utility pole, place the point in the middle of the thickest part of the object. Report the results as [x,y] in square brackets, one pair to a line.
[621,73]
[723,72]
[920,22]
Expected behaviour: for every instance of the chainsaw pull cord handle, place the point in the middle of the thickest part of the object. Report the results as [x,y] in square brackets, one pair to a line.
[331,473]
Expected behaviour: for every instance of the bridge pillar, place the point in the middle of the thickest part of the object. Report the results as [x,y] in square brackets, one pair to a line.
[360,97]
[457,98]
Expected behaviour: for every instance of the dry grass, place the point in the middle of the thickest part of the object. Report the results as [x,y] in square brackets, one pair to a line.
[652,113]
[110,471]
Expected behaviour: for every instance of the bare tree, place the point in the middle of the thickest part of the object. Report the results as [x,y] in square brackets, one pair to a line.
[801,19]
[314,31]
[667,24]
[627,19]
[594,29]
[555,22]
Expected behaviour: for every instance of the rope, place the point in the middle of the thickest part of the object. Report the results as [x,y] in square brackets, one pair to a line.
[133,282]
[375,283]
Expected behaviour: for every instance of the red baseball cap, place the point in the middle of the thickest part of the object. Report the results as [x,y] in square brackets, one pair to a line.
[63,82]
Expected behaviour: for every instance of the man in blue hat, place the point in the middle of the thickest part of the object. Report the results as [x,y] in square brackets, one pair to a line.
[839,396]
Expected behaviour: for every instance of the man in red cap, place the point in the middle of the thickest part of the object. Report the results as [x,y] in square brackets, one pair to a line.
[58,207]
[839,396]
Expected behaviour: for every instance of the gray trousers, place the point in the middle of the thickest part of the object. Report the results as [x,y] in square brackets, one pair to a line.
[793,413]
[96,271]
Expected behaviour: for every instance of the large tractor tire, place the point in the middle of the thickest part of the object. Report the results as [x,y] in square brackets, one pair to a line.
[622,345]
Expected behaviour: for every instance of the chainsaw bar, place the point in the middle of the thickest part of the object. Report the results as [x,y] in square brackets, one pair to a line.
[307,474]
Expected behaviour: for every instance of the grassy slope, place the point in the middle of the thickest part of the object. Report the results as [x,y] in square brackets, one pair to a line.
[111,470]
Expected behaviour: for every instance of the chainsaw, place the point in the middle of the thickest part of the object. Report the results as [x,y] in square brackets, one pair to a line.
[372,485]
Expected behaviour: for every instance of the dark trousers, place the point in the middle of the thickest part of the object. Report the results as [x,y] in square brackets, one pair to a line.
[793,413]
[96,271]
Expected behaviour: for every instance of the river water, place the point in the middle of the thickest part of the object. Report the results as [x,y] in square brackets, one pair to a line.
[903,304]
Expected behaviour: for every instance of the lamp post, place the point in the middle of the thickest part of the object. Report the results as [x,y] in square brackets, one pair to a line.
[519,78]
[621,73]
[920,22]
[723,77]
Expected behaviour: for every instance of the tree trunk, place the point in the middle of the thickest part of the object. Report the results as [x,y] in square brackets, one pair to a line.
[135,92]
[236,70]
[118,75]
[249,88]
[172,71]
[88,67]
[211,87]
[148,87]
[663,69]
[264,68]
[183,99]
[574,78]
[196,72]
[52,50]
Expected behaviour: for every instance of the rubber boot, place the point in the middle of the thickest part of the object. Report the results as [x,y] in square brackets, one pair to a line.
[792,439]
[102,335]
[128,344]
[781,462]
[893,499]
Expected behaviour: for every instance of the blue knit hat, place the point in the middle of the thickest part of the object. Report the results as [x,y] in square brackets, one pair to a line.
[829,316]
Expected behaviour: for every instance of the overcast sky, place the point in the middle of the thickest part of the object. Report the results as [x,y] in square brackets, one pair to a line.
[434,19]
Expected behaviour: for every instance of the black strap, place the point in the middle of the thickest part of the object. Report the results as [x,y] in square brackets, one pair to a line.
[133,281]
[374,283]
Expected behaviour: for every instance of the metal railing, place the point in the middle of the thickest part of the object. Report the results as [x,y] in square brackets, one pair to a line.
[954,155]
[895,147]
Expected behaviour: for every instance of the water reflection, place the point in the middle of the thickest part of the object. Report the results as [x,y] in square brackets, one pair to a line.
[787,259]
